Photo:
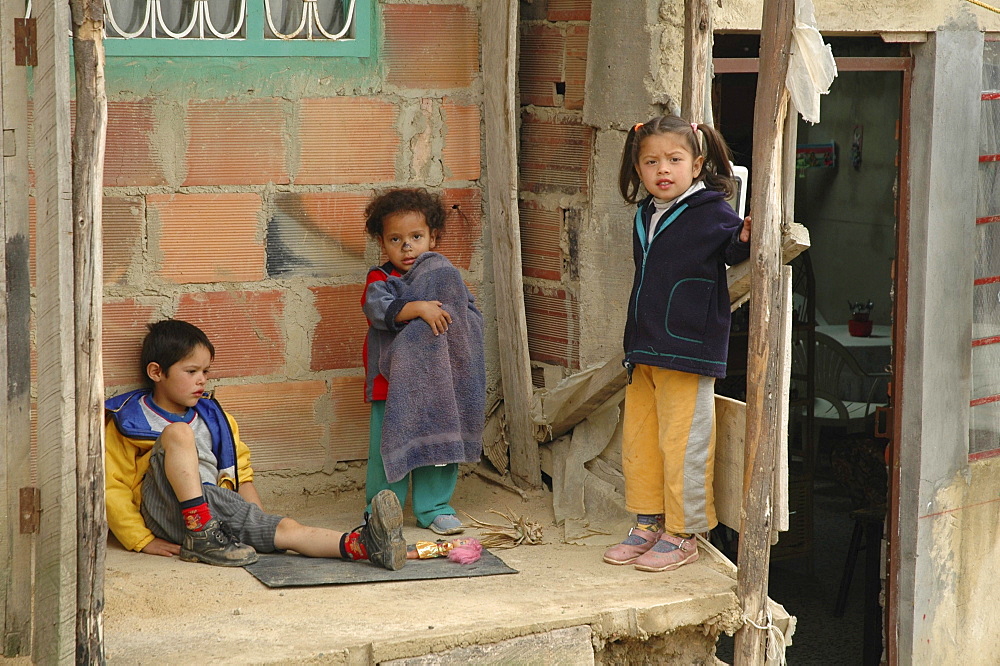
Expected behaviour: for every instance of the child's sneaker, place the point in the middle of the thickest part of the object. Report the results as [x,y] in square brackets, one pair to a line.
[382,534]
[446,524]
[638,541]
[216,544]
[668,553]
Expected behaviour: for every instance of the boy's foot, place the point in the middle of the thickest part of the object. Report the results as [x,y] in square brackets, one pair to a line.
[669,553]
[382,534]
[215,544]
[638,541]
[446,524]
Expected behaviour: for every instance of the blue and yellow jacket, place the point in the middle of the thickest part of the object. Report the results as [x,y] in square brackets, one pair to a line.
[128,444]
[678,313]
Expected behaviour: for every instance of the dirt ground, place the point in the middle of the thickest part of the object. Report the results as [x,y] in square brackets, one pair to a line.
[165,610]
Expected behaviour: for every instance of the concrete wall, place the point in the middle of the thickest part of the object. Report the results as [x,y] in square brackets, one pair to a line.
[865,16]
[850,211]
[936,367]
[234,190]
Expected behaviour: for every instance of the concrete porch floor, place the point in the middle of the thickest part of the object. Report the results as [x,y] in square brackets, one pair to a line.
[164,610]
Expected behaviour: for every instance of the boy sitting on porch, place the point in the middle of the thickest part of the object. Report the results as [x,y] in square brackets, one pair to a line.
[179,480]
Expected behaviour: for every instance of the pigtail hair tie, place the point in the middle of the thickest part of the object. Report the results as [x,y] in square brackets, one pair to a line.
[637,127]
[694,127]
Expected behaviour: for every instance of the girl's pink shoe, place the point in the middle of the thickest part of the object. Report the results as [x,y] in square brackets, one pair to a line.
[637,542]
[668,553]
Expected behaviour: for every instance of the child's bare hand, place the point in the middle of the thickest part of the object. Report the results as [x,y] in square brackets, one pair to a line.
[745,231]
[161,547]
[435,316]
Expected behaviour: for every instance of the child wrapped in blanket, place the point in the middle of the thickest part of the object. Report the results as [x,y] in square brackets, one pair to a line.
[425,373]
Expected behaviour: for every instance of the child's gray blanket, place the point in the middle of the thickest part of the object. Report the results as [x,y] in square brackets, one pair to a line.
[435,409]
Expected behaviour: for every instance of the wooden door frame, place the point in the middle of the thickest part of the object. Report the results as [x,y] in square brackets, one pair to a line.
[904,65]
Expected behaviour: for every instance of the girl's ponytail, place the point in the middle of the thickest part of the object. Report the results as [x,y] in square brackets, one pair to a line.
[717,170]
[628,178]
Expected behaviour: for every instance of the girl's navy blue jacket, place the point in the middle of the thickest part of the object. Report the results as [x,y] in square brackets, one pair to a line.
[678,314]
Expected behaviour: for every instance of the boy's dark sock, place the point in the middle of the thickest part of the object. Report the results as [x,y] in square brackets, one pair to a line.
[196,513]
[351,547]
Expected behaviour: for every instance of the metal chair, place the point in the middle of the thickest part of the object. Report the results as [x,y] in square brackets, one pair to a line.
[831,375]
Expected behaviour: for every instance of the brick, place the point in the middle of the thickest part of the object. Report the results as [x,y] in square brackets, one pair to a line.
[463,232]
[279,422]
[555,155]
[32,237]
[541,240]
[349,429]
[576,66]
[541,64]
[244,326]
[132,156]
[553,322]
[569,10]
[431,46]
[318,234]
[347,140]
[461,152]
[124,327]
[233,142]
[192,247]
[339,336]
[123,225]
[121,236]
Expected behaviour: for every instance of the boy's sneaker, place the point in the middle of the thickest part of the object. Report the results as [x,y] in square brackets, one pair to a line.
[382,534]
[446,524]
[216,544]
[669,553]
[638,541]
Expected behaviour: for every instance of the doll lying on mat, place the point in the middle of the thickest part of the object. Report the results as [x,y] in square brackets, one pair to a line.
[463,551]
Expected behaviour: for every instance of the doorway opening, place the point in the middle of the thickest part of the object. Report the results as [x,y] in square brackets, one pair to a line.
[849,182]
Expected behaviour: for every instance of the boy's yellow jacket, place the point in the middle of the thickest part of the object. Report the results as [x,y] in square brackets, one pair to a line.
[126,461]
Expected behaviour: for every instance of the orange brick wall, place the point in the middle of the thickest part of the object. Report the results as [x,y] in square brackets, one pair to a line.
[242,213]
[556,151]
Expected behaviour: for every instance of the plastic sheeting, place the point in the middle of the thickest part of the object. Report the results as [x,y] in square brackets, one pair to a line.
[811,67]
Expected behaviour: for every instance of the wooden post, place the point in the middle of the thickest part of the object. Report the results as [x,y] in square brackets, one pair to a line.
[765,346]
[55,552]
[88,182]
[697,57]
[499,19]
[15,353]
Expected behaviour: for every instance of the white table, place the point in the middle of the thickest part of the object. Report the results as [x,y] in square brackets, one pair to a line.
[881,335]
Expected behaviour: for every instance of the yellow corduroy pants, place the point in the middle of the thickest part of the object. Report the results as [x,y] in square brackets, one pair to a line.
[668,447]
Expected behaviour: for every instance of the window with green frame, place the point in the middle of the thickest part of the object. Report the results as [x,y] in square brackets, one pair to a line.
[178,28]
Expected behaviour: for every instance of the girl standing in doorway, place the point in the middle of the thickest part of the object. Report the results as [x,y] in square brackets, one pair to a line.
[676,334]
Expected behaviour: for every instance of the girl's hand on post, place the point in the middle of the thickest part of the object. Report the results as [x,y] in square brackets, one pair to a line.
[435,316]
[745,231]
[161,547]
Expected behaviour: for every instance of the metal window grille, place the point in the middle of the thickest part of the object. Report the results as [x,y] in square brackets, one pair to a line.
[236,27]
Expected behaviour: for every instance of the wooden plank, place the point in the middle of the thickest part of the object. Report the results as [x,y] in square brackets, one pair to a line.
[794,241]
[576,397]
[55,560]
[697,56]
[88,188]
[16,549]
[499,20]
[763,359]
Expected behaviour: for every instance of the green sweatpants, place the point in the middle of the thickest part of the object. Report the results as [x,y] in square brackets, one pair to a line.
[433,486]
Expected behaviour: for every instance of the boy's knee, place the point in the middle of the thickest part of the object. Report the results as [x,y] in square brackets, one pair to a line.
[177,435]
